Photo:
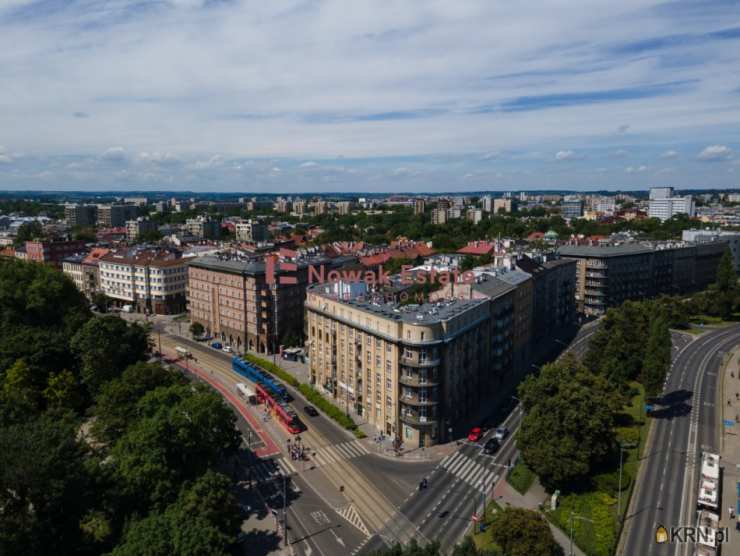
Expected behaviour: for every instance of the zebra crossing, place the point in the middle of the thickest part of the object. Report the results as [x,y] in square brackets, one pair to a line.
[349,513]
[466,469]
[266,469]
[327,455]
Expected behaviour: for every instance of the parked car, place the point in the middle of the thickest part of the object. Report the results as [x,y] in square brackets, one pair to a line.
[311,410]
[217,345]
[475,434]
[227,349]
[501,433]
[492,446]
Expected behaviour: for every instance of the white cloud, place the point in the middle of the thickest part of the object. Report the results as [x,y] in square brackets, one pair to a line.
[159,158]
[5,156]
[636,169]
[114,154]
[566,155]
[309,164]
[669,154]
[715,152]
[213,161]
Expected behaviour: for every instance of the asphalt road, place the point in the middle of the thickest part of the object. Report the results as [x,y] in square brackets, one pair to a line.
[684,426]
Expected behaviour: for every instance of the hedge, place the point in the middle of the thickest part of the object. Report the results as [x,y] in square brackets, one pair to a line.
[310,393]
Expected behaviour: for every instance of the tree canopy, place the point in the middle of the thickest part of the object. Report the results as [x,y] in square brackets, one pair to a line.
[521,532]
[568,421]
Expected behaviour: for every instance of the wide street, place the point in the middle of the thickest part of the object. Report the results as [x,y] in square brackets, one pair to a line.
[685,424]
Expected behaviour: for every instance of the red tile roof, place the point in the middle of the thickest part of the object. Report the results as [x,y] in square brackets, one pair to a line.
[478,248]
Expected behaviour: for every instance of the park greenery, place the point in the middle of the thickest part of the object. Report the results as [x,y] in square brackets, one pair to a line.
[100,450]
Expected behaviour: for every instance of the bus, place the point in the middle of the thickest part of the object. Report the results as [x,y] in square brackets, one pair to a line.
[282,410]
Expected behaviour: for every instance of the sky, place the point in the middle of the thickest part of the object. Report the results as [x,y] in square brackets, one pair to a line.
[289,96]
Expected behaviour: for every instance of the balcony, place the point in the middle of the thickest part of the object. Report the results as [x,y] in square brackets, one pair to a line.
[416,400]
[418,380]
[419,362]
[414,418]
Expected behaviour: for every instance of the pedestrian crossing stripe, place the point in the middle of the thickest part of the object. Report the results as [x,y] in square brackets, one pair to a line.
[470,471]
[265,469]
[327,455]
[349,513]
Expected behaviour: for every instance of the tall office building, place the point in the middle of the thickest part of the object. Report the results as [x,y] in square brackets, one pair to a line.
[80,215]
[664,205]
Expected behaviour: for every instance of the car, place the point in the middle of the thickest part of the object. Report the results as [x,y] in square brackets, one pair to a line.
[501,433]
[227,349]
[475,434]
[492,446]
[311,410]
[217,345]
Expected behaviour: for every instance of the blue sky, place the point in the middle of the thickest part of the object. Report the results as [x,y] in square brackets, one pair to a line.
[290,96]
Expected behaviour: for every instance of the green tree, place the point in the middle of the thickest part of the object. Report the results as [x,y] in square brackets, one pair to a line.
[44,487]
[116,404]
[63,390]
[28,231]
[180,434]
[196,329]
[106,346]
[726,286]
[521,532]
[657,358]
[567,426]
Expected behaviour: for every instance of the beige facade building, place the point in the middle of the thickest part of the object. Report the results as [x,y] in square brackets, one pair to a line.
[416,372]
[151,280]
[501,205]
[343,207]
[250,231]
[420,206]
[439,216]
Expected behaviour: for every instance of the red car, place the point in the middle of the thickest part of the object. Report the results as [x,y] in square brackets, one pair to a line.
[475,434]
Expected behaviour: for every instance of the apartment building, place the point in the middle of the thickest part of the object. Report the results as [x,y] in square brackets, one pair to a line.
[420,206]
[238,302]
[343,207]
[80,215]
[474,215]
[250,231]
[439,216]
[152,280]
[299,207]
[502,205]
[572,208]
[52,252]
[608,275]
[703,236]
[138,227]
[416,372]
[116,216]
[203,227]
[664,205]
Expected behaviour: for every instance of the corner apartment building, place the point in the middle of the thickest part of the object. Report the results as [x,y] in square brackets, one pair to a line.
[608,275]
[250,231]
[203,227]
[84,270]
[415,371]
[150,279]
[235,301]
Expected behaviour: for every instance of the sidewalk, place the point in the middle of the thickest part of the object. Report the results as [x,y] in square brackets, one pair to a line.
[730,443]
[505,495]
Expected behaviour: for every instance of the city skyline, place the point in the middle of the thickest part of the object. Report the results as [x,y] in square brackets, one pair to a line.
[312,97]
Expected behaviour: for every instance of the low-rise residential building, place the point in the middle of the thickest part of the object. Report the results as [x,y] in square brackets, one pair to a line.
[152,280]
[51,251]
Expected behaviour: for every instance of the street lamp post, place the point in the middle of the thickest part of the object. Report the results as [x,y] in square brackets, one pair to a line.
[619,494]
[285,510]
[572,517]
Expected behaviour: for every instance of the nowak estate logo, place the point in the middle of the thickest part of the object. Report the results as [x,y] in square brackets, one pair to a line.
[319,275]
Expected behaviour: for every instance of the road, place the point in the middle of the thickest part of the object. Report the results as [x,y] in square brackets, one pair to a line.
[349,504]
[340,502]
[686,425]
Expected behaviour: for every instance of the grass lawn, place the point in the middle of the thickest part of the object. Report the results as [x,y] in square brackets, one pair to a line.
[598,501]
[520,477]
[709,320]
[484,540]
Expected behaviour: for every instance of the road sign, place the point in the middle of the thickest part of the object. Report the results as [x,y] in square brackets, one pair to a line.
[729,423]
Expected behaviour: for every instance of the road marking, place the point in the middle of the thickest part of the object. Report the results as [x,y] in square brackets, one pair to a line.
[350,514]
